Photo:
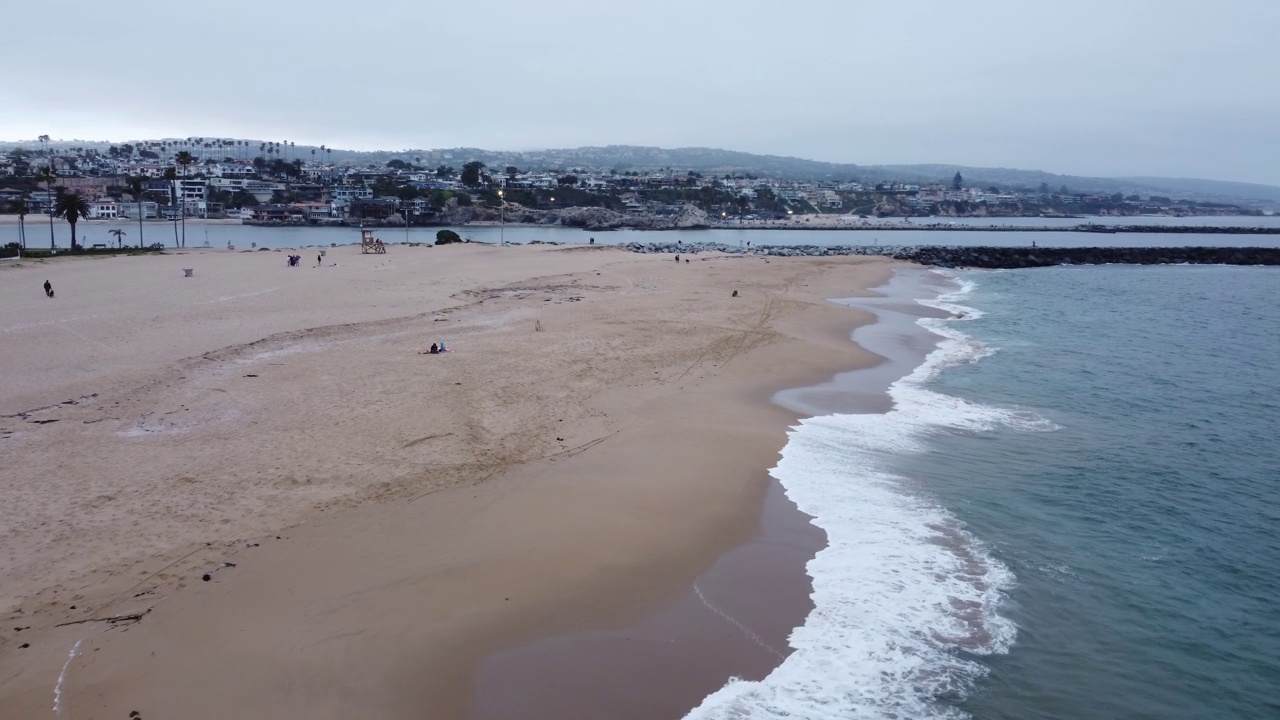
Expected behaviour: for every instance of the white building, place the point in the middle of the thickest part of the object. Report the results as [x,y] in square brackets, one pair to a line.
[129,210]
[104,209]
[261,190]
[196,208]
[150,171]
[344,194]
[191,190]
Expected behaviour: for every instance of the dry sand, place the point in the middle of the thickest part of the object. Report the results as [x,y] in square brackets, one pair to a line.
[374,522]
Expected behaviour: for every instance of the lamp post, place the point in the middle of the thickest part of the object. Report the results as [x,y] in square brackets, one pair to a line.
[502,218]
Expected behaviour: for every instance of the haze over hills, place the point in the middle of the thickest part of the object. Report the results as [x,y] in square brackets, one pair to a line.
[717,161]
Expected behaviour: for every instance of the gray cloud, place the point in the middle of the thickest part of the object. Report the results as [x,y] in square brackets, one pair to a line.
[1134,88]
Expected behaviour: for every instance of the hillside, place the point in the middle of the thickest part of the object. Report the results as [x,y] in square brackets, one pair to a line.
[714,161]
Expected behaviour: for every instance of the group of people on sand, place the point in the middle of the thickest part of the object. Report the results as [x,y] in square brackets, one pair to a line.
[296,260]
[436,349]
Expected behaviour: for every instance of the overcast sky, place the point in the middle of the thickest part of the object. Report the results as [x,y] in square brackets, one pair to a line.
[1122,87]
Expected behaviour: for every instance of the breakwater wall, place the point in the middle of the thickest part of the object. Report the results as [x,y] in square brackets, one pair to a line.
[951,256]
[948,227]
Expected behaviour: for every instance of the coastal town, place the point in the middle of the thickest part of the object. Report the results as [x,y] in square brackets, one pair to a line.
[279,183]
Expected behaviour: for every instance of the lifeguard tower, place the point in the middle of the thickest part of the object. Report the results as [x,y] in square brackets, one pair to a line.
[369,245]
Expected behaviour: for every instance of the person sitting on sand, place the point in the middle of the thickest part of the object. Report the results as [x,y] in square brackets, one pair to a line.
[434,349]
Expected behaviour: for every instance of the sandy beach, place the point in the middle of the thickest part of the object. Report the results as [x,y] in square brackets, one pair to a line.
[374,522]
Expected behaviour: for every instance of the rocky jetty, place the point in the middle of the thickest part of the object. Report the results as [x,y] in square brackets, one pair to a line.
[996,257]
[1022,257]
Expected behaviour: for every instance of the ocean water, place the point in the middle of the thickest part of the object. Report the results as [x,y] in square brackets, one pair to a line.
[1071,511]
[245,237]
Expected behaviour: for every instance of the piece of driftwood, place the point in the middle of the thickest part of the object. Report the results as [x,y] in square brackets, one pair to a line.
[115,620]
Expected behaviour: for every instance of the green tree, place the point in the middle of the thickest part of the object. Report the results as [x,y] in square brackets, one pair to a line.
[119,236]
[569,180]
[73,208]
[185,159]
[957,182]
[471,173]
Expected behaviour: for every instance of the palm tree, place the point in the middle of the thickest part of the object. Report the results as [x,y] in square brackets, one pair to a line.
[72,207]
[135,189]
[184,159]
[172,176]
[46,175]
[119,235]
[19,207]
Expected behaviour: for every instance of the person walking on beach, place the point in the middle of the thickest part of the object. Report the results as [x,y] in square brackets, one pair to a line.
[48,288]
[319,260]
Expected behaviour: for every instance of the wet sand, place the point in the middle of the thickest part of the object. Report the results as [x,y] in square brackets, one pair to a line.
[735,618]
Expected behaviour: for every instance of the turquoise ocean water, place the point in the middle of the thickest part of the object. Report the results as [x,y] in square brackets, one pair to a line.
[1071,512]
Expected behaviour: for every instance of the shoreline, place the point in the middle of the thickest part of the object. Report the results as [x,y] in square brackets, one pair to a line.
[1116,224]
[422,618]
[735,618]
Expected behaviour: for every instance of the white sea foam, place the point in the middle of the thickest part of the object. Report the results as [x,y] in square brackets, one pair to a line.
[58,688]
[904,597]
